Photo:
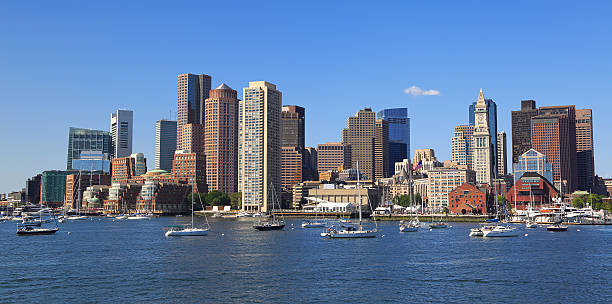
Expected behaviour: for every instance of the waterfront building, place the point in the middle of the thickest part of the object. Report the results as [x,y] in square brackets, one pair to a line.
[462,145]
[399,134]
[163,198]
[442,181]
[87,140]
[92,161]
[333,156]
[123,169]
[502,154]
[401,186]
[310,171]
[585,162]
[221,139]
[259,146]
[347,194]
[291,168]
[121,132]
[468,199]
[361,133]
[192,138]
[491,122]
[77,183]
[95,195]
[53,187]
[521,128]
[122,198]
[531,186]
[533,161]
[553,133]
[165,144]
[293,120]
[192,168]
[300,192]
[484,144]
[32,189]
[140,163]
[192,92]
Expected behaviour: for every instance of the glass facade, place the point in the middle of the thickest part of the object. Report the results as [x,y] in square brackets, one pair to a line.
[92,161]
[399,134]
[533,161]
[80,140]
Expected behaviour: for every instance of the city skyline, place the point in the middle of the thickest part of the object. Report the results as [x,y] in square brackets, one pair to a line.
[427,95]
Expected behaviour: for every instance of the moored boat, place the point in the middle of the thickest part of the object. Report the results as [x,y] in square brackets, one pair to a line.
[500,231]
[556,227]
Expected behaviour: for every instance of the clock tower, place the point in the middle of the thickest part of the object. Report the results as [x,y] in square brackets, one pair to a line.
[482,149]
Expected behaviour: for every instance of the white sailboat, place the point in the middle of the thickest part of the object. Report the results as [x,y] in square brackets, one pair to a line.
[78,217]
[189,231]
[530,222]
[315,223]
[350,231]
[35,227]
[414,224]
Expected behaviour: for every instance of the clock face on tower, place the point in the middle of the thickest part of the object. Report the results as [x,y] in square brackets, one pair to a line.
[481,119]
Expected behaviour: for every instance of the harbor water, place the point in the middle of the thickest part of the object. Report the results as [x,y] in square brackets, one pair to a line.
[101,260]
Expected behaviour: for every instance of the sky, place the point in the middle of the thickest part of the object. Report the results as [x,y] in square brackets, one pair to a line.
[71,63]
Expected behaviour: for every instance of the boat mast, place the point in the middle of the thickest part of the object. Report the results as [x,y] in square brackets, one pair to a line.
[359,193]
[192,207]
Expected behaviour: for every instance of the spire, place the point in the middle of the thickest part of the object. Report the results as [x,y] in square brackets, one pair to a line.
[481,97]
[223,86]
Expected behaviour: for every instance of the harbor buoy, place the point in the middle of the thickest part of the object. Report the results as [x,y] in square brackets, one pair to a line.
[526,234]
[577,229]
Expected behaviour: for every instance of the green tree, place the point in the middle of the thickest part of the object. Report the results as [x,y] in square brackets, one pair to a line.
[418,199]
[578,201]
[217,198]
[197,198]
[236,200]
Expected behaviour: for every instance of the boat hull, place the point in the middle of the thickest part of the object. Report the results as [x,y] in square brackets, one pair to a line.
[505,233]
[269,227]
[408,229]
[438,226]
[38,231]
[476,232]
[313,225]
[562,228]
[351,234]
[188,232]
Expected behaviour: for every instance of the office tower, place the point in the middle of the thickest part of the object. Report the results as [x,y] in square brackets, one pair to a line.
[492,125]
[483,149]
[292,127]
[87,140]
[192,92]
[121,132]
[521,128]
[585,163]
[165,144]
[381,150]
[553,133]
[221,143]
[399,134]
[259,146]
[309,171]
[192,138]
[424,155]
[441,181]
[532,161]
[360,134]
[32,189]
[140,163]
[123,169]
[333,156]
[291,168]
[502,154]
[190,167]
[92,161]
[53,188]
[461,145]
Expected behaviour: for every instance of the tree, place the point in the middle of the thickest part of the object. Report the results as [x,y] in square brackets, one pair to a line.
[417,198]
[402,200]
[236,200]
[217,198]
[197,198]
[578,202]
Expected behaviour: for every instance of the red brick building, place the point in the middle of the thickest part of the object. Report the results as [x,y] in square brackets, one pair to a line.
[291,168]
[191,167]
[531,186]
[76,185]
[467,199]
[122,169]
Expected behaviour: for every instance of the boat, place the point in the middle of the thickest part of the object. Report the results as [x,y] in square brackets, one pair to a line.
[76,218]
[139,216]
[556,227]
[480,230]
[179,230]
[411,226]
[313,224]
[500,231]
[271,223]
[229,216]
[352,231]
[530,222]
[121,217]
[35,227]
[438,225]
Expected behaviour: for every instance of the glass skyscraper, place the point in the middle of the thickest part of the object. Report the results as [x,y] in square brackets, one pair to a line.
[80,140]
[399,134]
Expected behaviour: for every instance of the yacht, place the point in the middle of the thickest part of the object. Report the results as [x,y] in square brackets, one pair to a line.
[271,223]
[480,230]
[412,226]
[178,230]
[139,216]
[313,224]
[556,227]
[500,231]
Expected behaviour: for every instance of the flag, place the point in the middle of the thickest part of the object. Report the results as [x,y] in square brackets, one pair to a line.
[418,166]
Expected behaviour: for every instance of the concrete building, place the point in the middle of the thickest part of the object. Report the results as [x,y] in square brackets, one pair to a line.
[521,128]
[300,192]
[333,156]
[122,198]
[76,184]
[192,138]
[585,162]
[291,169]
[462,145]
[484,153]
[531,186]
[87,140]
[192,92]
[221,139]
[399,134]
[165,144]
[347,194]
[192,168]
[121,124]
[533,161]
[441,181]
[553,133]
[491,109]
[140,163]
[502,154]
[468,199]
[360,134]
[259,146]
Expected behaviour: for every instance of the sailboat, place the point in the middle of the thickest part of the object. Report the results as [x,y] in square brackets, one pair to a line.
[189,231]
[35,227]
[78,217]
[273,223]
[414,224]
[437,225]
[352,231]
[316,223]
[530,222]
[500,230]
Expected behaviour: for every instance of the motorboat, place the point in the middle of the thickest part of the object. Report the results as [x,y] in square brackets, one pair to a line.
[480,230]
[77,218]
[138,217]
[313,224]
[531,224]
[500,231]
[412,226]
[556,227]
[121,217]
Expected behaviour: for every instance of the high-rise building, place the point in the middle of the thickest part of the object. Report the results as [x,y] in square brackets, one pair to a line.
[87,140]
[53,187]
[484,153]
[521,128]
[123,169]
[121,132]
[399,134]
[165,144]
[532,161]
[310,171]
[32,189]
[291,168]
[381,150]
[553,133]
[461,145]
[293,127]
[259,146]
[221,139]
[441,181]
[92,161]
[333,156]
[585,161]
[192,138]
[360,134]
[140,163]
[424,155]
[502,154]
[192,92]
[492,125]
[190,167]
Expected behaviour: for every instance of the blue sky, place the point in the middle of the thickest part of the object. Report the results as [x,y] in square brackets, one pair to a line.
[71,63]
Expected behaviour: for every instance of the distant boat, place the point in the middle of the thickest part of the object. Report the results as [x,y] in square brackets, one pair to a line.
[500,231]
[121,217]
[191,231]
[556,227]
[139,216]
[313,224]
[76,218]
[412,226]
[480,230]
[273,223]
[35,227]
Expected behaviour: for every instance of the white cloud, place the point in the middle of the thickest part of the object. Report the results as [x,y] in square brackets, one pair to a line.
[416,91]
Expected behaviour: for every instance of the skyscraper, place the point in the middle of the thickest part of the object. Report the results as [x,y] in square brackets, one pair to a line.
[221,143]
[291,169]
[483,149]
[192,138]
[399,134]
[381,150]
[553,133]
[492,125]
[360,134]
[461,145]
[585,162]
[193,90]
[259,146]
[165,144]
[121,132]
[502,154]
[521,128]
[332,156]
[87,140]
[140,163]
[293,127]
